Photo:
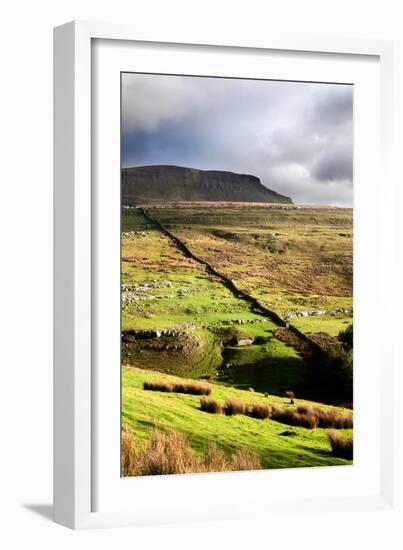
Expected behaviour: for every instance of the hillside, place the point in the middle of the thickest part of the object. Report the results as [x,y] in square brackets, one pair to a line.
[183,320]
[144,184]
[278,445]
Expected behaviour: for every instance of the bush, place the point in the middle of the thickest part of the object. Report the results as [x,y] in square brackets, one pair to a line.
[342,447]
[170,453]
[234,406]
[346,337]
[259,410]
[211,406]
[331,379]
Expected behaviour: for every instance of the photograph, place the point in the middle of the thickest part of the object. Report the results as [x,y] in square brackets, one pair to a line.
[207,252]
[236,274]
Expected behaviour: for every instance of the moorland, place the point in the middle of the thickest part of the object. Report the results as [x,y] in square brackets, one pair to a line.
[252,301]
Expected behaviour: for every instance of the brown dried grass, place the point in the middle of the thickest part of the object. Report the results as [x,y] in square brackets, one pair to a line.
[211,406]
[279,414]
[184,386]
[312,417]
[333,419]
[342,447]
[160,385]
[245,460]
[234,406]
[214,460]
[259,410]
[128,455]
[163,455]
[170,453]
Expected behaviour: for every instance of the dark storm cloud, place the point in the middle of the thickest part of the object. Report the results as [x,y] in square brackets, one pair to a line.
[296,137]
[169,145]
[334,165]
[334,106]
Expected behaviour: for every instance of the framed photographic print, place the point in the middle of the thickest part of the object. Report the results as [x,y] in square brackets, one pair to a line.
[218,245]
[236,299]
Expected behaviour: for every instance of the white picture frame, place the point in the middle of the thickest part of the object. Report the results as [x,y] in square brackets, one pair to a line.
[80,383]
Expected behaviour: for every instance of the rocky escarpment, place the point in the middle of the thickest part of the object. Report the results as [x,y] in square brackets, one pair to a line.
[144,184]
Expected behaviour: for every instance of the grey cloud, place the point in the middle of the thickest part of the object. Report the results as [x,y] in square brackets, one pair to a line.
[334,165]
[334,107]
[297,137]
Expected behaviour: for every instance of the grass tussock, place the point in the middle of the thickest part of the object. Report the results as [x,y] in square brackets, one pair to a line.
[312,417]
[158,386]
[170,453]
[164,455]
[184,386]
[342,447]
[328,418]
[335,420]
[279,414]
[213,461]
[259,410]
[245,460]
[234,406]
[304,416]
[128,456]
[211,406]
[294,418]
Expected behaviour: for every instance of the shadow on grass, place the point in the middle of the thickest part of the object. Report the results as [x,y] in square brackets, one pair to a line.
[273,376]
[327,455]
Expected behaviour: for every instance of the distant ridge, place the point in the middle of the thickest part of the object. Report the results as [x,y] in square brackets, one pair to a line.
[165,183]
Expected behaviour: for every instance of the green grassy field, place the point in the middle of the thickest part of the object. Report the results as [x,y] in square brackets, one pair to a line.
[291,259]
[170,290]
[144,411]
[180,320]
[322,323]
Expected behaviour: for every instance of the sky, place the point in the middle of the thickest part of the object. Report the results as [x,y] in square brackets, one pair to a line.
[296,137]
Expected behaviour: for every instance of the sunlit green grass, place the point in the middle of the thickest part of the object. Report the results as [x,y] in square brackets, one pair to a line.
[289,259]
[322,323]
[185,293]
[143,411]
[271,254]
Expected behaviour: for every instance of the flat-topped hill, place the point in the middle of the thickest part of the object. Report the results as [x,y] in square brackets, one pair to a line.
[144,184]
